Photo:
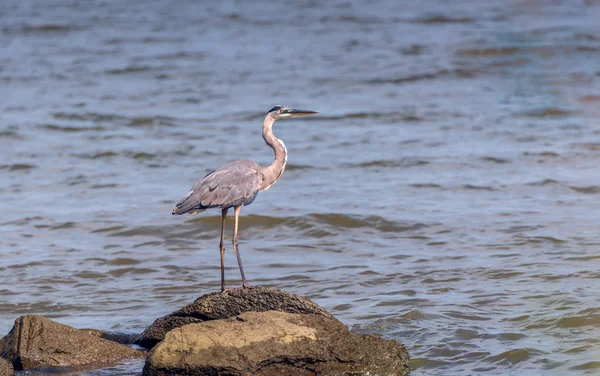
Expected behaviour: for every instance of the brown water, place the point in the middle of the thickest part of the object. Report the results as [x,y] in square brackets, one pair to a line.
[446,196]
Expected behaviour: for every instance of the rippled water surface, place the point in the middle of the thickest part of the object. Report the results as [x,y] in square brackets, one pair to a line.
[446,196]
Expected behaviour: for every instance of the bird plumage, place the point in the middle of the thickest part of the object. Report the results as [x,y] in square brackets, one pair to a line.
[234,184]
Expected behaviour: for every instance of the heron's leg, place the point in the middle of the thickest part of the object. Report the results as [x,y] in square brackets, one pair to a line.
[222,247]
[235,245]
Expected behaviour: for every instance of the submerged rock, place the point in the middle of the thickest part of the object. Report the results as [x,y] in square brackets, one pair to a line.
[6,368]
[274,343]
[36,341]
[218,306]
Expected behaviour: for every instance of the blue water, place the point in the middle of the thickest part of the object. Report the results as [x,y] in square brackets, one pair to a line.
[446,196]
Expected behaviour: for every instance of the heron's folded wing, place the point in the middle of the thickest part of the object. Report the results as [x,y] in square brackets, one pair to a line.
[228,186]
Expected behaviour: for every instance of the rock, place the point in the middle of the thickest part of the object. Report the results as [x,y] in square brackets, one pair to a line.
[218,306]
[6,368]
[274,343]
[36,341]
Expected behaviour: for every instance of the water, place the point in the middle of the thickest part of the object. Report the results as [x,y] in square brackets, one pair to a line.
[446,196]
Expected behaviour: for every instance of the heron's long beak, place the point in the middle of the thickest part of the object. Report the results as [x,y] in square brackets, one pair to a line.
[298,112]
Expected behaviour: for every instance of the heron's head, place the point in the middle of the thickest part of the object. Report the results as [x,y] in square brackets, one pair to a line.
[283,112]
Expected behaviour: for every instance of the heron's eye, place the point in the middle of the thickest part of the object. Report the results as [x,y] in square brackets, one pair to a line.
[283,111]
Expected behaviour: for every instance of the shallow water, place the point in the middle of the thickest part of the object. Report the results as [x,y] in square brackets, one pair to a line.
[446,196]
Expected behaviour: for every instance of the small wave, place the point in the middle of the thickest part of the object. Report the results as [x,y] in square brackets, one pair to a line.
[446,280]
[22,221]
[10,134]
[519,229]
[548,112]
[411,302]
[540,239]
[456,73]
[352,19]
[518,318]
[517,62]
[163,40]
[414,315]
[413,50]
[426,185]
[136,231]
[94,117]
[140,155]
[43,29]
[542,154]
[104,186]
[403,163]
[442,19]
[147,244]
[122,271]
[590,98]
[587,37]
[98,155]
[544,182]
[465,316]
[87,116]
[499,51]
[294,167]
[495,160]
[109,229]
[25,265]
[513,356]
[590,190]
[132,69]
[467,334]
[577,350]
[471,187]
[587,366]
[427,363]
[151,121]
[63,226]
[587,49]
[147,40]
[592,146]
[578,321]
[343,307]
[583,258]
[502,274]
[511,336]
[195,55]
[467,187]
[543,51]
[373,221]
[17,167]
[122,261]
[65,128]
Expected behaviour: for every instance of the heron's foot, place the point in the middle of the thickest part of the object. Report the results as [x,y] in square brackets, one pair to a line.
[245,285]
[228,290]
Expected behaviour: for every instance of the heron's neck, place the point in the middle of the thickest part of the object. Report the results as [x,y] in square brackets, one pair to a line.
[273,172]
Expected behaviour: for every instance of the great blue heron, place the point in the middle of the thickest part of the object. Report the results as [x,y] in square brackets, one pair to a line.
[238,183]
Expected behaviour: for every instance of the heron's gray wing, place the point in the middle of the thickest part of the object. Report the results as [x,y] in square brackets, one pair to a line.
[234,184]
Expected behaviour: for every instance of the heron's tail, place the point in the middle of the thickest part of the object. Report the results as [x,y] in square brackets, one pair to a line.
[186,205]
